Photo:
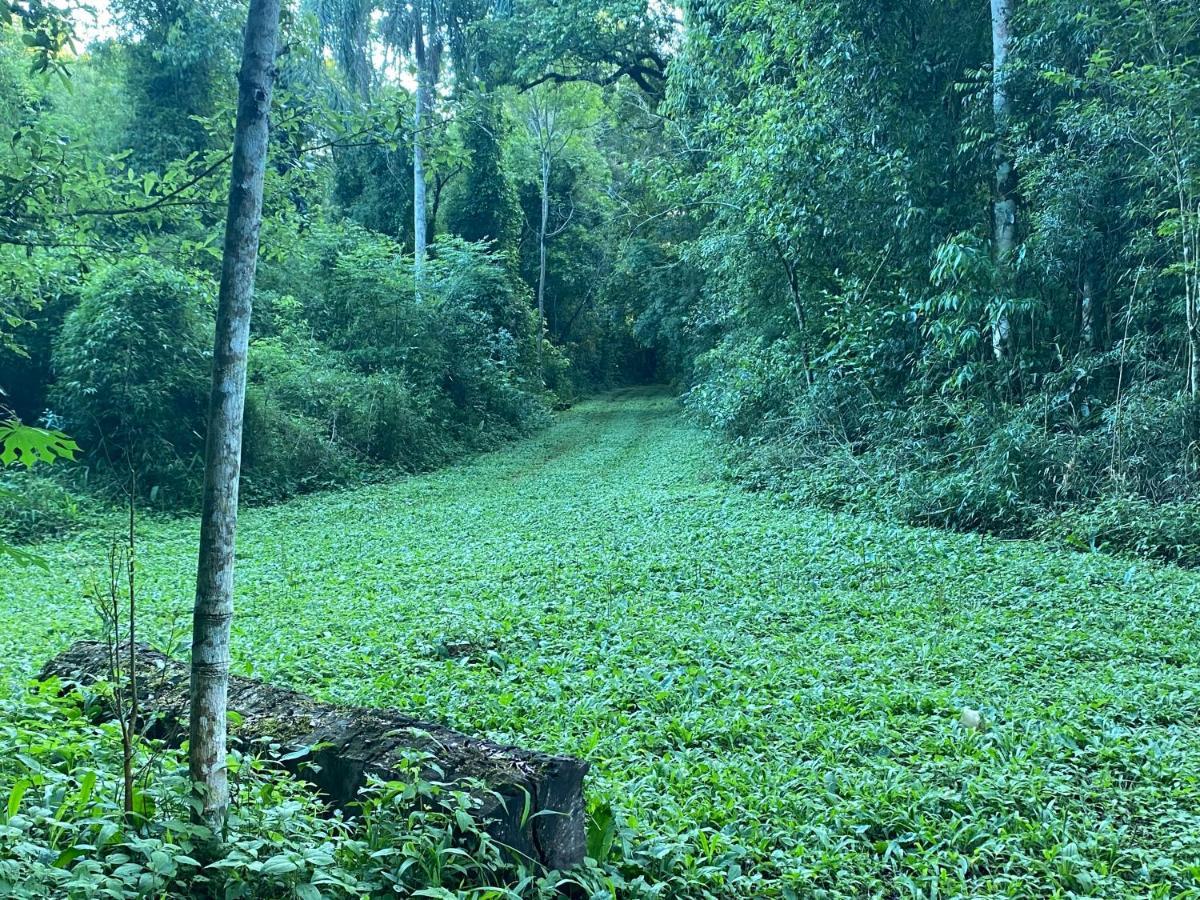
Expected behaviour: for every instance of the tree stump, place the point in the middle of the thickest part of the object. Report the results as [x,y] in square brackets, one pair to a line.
[533,802]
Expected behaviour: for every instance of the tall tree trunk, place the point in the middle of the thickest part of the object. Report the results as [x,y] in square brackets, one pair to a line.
[1189,222]
[420,110]
[1004,204]
[545,159]
[223,453]
[798,309]
[1087,313]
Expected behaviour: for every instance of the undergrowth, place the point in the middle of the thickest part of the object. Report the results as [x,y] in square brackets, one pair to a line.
[1059,465]
[64,834]
[770,696]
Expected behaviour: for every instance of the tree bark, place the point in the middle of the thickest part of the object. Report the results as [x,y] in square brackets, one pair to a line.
[1087,314]
[798,309]
[1190,241]
[545,161]
[420,110]
[1004,204]
[213,610]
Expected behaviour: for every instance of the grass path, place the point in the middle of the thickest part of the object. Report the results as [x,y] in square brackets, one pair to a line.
[769,696]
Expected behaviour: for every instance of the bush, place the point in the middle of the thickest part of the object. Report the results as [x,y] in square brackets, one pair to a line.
[387,419]
[1059,464]
[400,380]
[349,368]
[378,417]
[34,508]
[744,387]
[286,453]
[132,376]
[1166,531]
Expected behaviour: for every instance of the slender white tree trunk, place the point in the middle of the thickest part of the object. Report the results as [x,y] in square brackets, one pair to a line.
[1087,314]
[1004,206]
[223,454]
[1190,247]
[420,117]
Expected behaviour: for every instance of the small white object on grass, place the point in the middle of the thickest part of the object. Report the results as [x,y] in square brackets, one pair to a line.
[971,719]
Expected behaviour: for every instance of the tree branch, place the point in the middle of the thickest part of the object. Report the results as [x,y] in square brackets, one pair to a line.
[640,73]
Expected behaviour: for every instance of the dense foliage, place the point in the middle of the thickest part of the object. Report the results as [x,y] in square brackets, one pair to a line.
[934,262]
[109,241]
[131,366]
[859,333]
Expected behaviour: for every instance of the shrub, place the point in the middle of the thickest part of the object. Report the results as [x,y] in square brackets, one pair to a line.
[385,418]
[401,380]
[1059,464]
[285,453]
[1167,531]
[33,507]
[378,417]
[744,385]
[488,328]
[132,375]
[350,368]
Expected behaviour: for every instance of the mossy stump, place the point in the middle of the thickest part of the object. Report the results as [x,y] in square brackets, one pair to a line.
[532,802]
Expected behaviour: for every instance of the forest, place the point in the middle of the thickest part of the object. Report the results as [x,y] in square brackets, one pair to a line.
[599,448]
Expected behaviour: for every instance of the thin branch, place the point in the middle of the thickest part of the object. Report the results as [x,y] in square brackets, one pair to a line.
[160,201]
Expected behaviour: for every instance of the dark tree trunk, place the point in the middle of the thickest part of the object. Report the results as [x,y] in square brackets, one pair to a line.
[1087,314]
[223,453]
[541,291]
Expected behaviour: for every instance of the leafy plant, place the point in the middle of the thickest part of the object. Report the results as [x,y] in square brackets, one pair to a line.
[25,445]
[770,695]
[132,370]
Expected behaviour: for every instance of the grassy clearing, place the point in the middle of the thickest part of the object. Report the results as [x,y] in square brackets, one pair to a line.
[770,696]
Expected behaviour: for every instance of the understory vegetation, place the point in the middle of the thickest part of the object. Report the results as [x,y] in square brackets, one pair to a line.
[946,260]
[972,302]
[63,835]
[770,696]
[665,384]
[359,365]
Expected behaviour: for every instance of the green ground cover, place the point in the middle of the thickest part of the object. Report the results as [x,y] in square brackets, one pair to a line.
[770,696]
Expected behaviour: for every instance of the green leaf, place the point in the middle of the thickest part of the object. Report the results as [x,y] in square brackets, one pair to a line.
[68,856]
[23,557]
[27,445]
[279,865]
[15,795]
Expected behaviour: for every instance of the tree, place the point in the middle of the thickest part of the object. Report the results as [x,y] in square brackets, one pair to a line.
[554,119]
[423,31]
[222,462]
[426,56]
[47,29]
[598,41]
[34,181]
[484,208]
[346,29]
[417,28]
[175,54]
[1004,204]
